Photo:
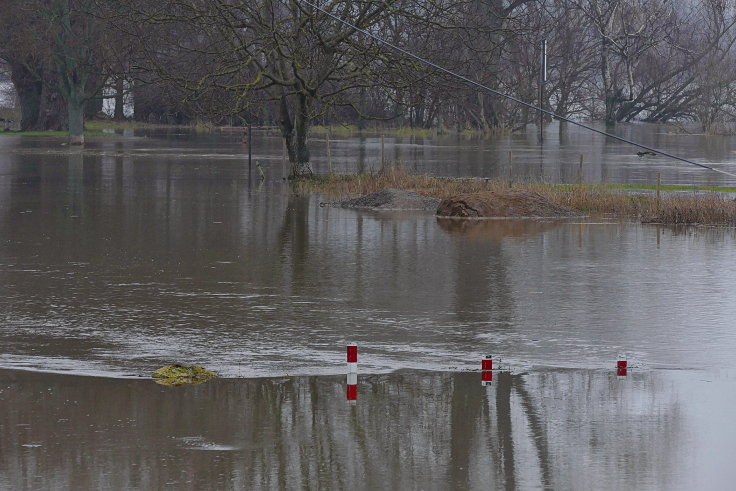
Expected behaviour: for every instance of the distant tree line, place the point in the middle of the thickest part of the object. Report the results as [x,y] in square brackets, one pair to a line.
[287,64]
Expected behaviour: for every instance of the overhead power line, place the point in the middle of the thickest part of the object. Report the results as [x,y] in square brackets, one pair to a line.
[501,94]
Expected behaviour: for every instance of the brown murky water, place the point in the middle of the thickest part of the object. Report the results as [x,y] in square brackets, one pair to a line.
[141,252]
[554,429]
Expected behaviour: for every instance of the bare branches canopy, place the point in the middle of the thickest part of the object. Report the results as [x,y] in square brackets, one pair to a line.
[292,64]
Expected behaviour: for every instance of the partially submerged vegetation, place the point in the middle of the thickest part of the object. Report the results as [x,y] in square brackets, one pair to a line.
[176,375]
[55,134]
[348,130]
[703,206]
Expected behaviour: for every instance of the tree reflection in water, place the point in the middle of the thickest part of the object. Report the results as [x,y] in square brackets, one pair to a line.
[574,429]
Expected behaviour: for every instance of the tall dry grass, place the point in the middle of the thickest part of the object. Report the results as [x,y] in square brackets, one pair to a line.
[705,208]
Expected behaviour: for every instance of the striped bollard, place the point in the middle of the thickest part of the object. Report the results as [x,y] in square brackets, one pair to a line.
[621,366]
[352,388]
[352,358]
[352,382]
[486,374]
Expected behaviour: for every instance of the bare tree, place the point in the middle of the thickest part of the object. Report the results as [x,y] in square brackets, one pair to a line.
[26,55]
[76,45]
[56,50]
[286,53]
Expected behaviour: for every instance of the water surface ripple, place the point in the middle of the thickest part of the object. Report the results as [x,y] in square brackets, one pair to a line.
[114,263]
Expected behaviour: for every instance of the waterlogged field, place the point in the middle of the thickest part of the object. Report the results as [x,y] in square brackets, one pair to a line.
[147,250]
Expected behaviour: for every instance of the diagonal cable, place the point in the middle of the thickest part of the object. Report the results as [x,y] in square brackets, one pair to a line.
[501,94]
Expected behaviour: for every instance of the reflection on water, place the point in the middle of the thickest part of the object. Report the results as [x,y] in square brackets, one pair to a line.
[136,253]
[112,263]
[493,229]
[568,429]
[516,157]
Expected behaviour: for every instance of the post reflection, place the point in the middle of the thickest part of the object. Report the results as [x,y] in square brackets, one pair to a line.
[568,429]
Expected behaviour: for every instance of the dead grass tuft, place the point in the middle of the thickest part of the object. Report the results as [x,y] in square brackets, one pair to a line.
[703,208]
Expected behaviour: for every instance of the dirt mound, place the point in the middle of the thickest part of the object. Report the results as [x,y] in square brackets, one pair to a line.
[506,204]
[392,199]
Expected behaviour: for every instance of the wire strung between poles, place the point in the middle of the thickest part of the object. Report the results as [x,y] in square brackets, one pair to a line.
[501,94]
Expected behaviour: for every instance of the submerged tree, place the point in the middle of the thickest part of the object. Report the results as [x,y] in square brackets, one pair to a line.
[56,50]
[281,52]
[75,44]
[652,54]
[24,49]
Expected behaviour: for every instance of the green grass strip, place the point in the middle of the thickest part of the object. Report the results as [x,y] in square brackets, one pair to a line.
[652,187]
[55,134]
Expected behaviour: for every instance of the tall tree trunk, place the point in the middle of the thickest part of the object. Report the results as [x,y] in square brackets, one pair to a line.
[610,96]
[52,112]
[295,132]
[610,92]
[29,89]
[75,110]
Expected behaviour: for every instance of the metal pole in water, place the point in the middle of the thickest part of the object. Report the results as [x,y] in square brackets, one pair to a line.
[329,153]
[511,162]
[542,80]
[580,172]
[283,158]
[382,148]
[659,182]
[250,151]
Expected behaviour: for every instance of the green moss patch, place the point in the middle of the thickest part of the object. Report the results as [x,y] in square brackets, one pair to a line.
[176,375]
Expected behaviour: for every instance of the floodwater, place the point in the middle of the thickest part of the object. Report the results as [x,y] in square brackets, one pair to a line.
[554,429]
[144,250]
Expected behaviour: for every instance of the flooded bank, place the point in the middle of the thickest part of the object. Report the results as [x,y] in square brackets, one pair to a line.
[552,429]
[145,251]
[116,262]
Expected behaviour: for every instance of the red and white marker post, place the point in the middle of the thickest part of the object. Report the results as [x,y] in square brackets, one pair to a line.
[486,374]
[622,366]
[352,358]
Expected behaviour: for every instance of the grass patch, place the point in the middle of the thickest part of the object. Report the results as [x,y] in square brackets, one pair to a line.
[100,125]
[111,125]
[407,132]
[343,130]
[36,133]
[708,208]
[652,187]
[56,134]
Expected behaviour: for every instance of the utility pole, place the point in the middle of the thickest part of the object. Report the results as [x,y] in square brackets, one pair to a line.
[542,80]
